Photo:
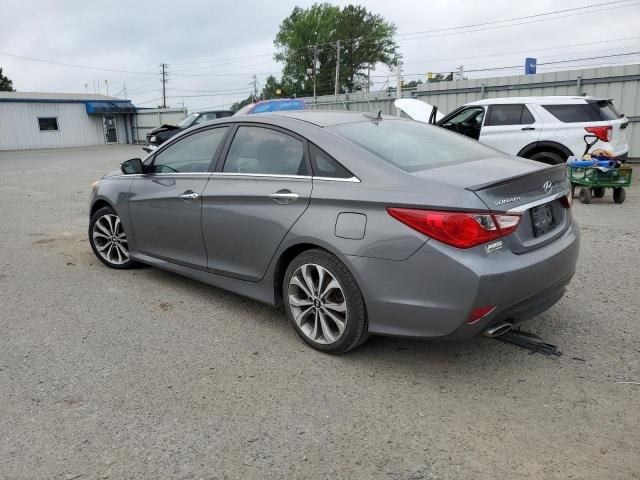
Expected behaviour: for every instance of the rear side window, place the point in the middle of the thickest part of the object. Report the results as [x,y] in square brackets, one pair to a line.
[324,165]
[265,151]
[516,114]
[592,111]
[412,146]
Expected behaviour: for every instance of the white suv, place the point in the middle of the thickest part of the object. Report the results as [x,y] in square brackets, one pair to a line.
[547,129]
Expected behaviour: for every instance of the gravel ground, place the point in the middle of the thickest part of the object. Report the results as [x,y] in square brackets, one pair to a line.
[145,374]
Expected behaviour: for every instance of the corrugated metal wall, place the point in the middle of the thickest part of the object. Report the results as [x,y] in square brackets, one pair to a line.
[19,126]
[146,120]
[621,83]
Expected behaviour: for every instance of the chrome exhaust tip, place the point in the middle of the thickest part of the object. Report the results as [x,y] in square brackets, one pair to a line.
[497,329]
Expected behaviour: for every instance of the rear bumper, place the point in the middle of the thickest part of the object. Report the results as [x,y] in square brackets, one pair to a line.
[432,293]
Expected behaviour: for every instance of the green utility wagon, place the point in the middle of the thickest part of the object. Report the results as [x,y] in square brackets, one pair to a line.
[594,181]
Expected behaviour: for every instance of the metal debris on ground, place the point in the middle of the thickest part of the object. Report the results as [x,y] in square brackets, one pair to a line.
[530,341]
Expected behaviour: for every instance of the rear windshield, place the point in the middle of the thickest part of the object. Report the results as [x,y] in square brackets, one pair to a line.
[412,146]
[592,111]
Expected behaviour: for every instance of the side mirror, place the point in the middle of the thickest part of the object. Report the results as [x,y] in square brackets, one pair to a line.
[132,166]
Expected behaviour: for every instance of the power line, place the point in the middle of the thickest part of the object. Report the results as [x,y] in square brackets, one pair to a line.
[534,50]
[520,66]
[345,41]
[584,7]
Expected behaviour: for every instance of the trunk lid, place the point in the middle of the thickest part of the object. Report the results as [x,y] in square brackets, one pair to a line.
[506,184]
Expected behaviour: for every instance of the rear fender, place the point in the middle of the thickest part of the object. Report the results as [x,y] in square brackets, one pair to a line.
[542,146]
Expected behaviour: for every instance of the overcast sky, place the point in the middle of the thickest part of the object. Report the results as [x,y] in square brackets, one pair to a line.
[225,42]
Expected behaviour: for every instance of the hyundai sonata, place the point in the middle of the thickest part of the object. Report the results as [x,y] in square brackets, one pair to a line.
[357,224]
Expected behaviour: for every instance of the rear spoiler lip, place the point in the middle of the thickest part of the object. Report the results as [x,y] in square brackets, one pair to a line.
[508,180]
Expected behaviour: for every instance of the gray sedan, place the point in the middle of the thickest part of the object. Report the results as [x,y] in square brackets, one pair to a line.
[357,224]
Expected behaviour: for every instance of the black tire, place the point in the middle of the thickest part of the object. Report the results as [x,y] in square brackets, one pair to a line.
[585,195]
[619,195]
[355,330]
[127,261]
[550,158]
[598,192]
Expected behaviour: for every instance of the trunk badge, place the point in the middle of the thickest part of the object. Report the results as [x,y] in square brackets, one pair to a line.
[547,186]
[507,200]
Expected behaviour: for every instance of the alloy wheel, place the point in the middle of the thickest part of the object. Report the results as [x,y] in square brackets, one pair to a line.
[318,304]
[110,240]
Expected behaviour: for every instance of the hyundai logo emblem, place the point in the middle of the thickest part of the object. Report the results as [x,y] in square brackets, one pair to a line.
[547,186]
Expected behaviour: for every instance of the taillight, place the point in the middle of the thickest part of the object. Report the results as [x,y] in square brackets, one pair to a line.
[603,133]
[567,200]
[458,229]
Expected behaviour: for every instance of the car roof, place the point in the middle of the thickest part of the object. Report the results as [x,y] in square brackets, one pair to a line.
[211,111]
[325,118]
[549,100]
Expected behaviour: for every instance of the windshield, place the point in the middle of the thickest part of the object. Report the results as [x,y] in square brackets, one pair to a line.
[412,146]
[188,121]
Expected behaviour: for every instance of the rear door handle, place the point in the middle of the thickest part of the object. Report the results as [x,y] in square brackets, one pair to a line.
[284,197]
[189,195]
[528,128]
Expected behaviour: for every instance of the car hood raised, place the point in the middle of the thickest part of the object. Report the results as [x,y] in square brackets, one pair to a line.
[164,128]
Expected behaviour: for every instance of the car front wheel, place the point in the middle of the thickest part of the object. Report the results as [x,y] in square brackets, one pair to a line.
[324,303]
[108,239]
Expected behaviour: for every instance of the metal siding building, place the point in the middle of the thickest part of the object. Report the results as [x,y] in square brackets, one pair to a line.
[81,120]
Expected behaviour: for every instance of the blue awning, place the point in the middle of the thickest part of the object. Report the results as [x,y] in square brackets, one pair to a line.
[106,106]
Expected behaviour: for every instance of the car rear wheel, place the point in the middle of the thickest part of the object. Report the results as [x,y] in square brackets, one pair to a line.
[108,239]
[324,303]
[551,158]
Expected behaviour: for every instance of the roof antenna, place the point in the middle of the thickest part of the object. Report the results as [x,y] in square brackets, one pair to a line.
[371,115]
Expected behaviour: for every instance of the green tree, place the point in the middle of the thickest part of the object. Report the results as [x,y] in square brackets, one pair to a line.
[6,85]
[271,86]
[238,105]
[366,39]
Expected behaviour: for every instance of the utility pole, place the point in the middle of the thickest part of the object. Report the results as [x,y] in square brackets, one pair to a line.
[106,86]
[254,82]
[399,85]
[368,77]
[337,67]
[164,84]
[125,90]
[316,51]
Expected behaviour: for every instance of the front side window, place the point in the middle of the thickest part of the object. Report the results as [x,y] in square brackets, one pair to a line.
[515,114]
[190,154]
[412,146]
[264,151]
[48,124]
[468,116]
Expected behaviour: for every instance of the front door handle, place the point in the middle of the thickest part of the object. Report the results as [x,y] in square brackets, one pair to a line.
[189,195]
[284,197]
[528,128]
